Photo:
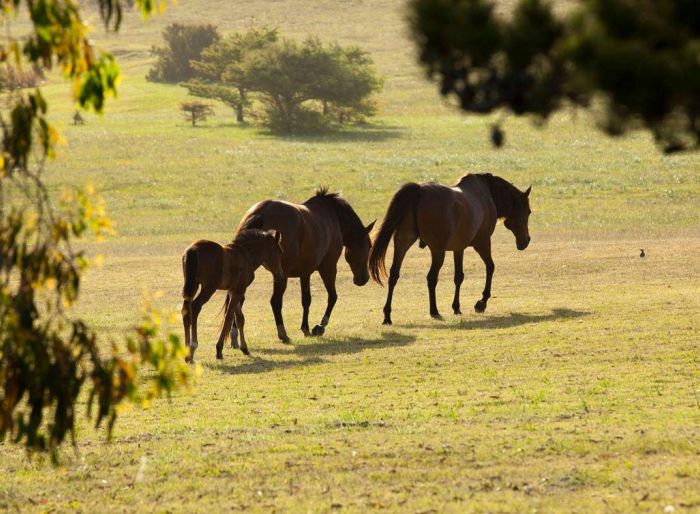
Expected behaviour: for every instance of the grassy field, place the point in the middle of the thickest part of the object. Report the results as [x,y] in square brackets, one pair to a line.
[577,391]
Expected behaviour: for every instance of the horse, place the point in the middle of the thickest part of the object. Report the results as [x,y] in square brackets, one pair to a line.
[209,266]
[445,218]
[313,236]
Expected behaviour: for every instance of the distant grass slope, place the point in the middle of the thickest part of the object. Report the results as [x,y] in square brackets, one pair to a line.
[577,391]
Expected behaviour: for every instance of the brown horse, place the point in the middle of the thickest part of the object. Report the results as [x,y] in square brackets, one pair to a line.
[449,218]
[313,236]
[230,268]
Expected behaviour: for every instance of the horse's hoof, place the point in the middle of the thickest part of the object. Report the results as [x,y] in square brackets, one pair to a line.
[234,346]
[220,356]
[306,332]
[318,330]
[245,351]
[386,321]
[285,340]
[437,317]
[187,359]
[458,312]
[480,306]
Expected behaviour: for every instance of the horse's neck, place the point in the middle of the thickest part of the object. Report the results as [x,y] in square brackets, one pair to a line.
[347,228]
[502,194]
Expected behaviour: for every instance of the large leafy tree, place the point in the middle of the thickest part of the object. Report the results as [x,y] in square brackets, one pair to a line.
[219,75]
[48,356]
[292,78]
[184,43]
[636,63]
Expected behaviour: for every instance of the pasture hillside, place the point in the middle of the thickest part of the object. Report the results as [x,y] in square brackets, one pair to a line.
[577,391]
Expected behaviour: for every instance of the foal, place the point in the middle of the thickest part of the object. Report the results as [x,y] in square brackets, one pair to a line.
[209,266]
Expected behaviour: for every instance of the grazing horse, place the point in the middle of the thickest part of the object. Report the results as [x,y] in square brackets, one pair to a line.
[449,218]
[313,236]
[231,268]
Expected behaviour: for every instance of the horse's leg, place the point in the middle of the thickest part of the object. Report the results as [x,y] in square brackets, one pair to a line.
[459,278]
[234,330]
[438,258]
[305,282]
[225,327]
[186,320]
[240,322]
[403,239]
[276,303]
[203,297]
[328,274]
[484,251]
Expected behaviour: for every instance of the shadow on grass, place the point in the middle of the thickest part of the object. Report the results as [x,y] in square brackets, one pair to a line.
[332,346]
[310,353]
[367,134]
[514,319]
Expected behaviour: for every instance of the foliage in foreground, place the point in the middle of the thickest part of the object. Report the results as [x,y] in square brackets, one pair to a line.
[302,86]
[637,62]
[48,356]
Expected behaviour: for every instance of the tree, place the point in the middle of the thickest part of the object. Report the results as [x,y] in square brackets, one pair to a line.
[183,44]
[218,74]
[196,111]
[346,89]
[48,356]
[636,61]
[290,78]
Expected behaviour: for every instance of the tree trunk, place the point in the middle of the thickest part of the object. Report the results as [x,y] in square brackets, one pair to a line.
[325,107]
[193,119]
[239,107]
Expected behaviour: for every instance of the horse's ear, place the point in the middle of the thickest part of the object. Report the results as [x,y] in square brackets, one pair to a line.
[370,226]
[527,191]
[278,236]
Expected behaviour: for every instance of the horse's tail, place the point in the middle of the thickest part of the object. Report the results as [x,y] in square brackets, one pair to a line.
[222,313]
[402,204]
[190,264]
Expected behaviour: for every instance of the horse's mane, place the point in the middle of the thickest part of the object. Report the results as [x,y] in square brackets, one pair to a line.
[506,196]
[348,218]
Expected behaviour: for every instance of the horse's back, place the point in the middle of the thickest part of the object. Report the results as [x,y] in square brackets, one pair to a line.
[449,217]
[293,221]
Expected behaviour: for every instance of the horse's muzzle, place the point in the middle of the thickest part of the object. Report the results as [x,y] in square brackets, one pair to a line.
[361,281]
[522,245]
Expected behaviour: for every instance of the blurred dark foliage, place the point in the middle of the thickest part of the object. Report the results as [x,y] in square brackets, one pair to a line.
[635,63]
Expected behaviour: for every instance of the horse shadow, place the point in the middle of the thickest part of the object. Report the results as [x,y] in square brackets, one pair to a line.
[513,319]
[311,353]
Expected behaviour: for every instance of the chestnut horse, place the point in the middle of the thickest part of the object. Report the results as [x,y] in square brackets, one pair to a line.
[230,268]
[449,219]
[313,236]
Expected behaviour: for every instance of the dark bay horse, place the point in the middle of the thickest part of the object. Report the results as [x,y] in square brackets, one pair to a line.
[209,267]
[313,236]
[444,219]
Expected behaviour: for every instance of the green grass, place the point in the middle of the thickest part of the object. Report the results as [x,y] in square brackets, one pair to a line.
[577,391]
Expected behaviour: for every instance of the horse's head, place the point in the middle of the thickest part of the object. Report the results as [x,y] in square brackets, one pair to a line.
[517,221]
[357,255]
[273,259]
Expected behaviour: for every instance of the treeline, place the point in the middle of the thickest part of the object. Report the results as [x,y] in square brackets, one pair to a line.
[287,85]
